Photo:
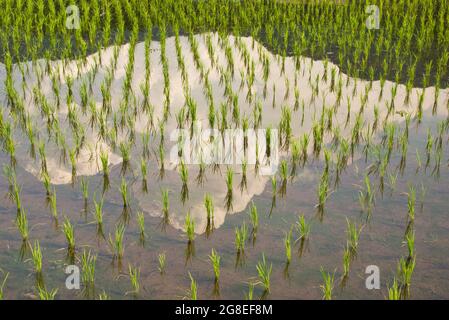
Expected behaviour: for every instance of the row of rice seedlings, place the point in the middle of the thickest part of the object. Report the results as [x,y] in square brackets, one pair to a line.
[116,243]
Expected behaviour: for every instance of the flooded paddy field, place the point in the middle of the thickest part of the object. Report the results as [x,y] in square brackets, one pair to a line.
[176,164]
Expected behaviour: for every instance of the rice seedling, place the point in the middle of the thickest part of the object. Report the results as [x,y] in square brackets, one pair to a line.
[88,263]
[116,244]
[241,234]
[124,192]
[141,223]
[353,234]
[68,230]
[284,176]
[103,296]
[209,205]
[328,284]
[36,257]
[193,292]
[264,272]
[346,262]
[411,200]
[53,205]
[229,186]
[134,277]
[2,286]
[215,260]
[250,294]
[44,294]
[394,292]
[288,246]
[98,214]
[165,206]
[184,174]
[303,228]
[162,262]
[254,217]
[22,224]
[189,226]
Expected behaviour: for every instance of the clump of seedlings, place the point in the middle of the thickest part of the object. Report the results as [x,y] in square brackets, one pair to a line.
[68,230]
[209,205]
[141,223]
[215,260]
[264,273]
[88,263]
[328,284]
[184,174]
[229,186]
[189,226]
[116,243]
[134,277]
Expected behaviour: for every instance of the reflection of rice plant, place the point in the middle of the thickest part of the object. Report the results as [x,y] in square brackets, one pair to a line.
[124,192]
[264,272]
[141,223]
[328,284]
[85,189]
[143,171]
[215,260]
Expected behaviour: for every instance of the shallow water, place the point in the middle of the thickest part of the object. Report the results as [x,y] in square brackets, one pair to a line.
[381,241]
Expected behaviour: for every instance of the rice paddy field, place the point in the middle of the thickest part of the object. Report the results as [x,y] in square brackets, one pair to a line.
[167,149]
